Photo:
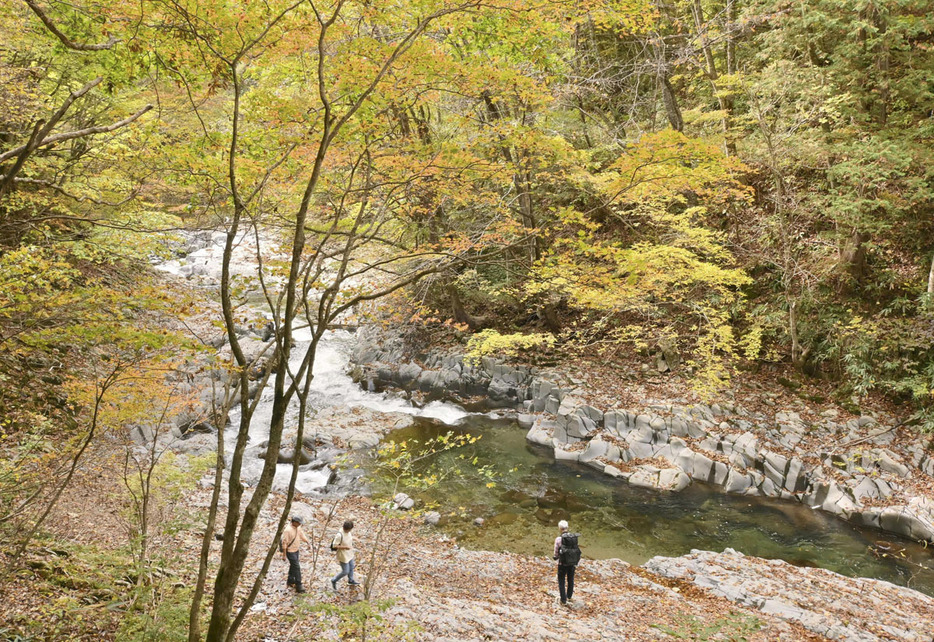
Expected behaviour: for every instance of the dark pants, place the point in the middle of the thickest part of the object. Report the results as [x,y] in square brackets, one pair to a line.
[566,573]
[295,571]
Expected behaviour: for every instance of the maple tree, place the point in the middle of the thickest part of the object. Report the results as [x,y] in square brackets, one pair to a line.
[718,179]
[317,155]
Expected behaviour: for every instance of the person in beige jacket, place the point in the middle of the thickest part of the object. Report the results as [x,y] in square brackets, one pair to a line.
[343,544]
[292,538]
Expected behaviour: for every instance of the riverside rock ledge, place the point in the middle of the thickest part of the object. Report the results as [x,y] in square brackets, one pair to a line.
[668,447]
[823,602]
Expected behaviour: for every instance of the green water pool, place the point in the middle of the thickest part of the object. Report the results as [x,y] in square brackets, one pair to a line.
[533,492]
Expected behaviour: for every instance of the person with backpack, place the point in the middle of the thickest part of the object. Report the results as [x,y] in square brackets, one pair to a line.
[291,542]
[343,545]
[568,554]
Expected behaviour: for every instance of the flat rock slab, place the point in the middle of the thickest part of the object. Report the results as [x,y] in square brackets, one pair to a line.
[355,427]
[824,602]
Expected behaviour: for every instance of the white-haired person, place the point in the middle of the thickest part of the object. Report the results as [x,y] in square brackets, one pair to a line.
[568,554]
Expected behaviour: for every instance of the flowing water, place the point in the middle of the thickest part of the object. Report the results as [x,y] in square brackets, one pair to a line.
[533,491]
[331,385]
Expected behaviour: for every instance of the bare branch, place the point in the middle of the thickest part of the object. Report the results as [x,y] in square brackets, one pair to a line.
[79,133]
[7,179]
[65,40]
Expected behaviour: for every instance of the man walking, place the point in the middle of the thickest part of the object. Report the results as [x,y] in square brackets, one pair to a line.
[292,539]
[568,554]
[343,544]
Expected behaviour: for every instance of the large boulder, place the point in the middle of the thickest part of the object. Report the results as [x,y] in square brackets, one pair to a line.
[619,422]
[541,432]
[597,448]
[914,520]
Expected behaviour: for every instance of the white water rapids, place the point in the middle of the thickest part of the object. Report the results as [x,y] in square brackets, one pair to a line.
[331,386]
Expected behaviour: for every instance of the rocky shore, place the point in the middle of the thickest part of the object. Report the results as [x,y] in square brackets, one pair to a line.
[856,609]
[435,590]
[865,469]
[861,468]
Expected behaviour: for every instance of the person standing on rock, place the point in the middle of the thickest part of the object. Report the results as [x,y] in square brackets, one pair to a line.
[343,544]
[568,554]
[292,539]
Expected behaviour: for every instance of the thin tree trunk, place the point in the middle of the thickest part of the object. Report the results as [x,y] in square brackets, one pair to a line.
[194,614]
[730,40]
[793,330]
[713,76]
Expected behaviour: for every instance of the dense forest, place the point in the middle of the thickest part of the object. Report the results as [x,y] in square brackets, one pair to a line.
[721,184]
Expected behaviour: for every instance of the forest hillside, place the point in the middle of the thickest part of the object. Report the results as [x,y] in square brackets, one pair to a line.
[725,197]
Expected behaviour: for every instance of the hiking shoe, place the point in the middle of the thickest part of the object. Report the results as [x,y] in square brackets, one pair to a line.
[333,585]
[300,590]
[355,583]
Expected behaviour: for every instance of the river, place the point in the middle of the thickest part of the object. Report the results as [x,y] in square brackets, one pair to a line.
[533,491]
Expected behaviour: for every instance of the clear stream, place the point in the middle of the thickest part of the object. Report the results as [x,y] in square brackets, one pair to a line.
[533,492]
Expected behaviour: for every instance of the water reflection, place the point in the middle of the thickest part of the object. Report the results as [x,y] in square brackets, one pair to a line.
[534,492]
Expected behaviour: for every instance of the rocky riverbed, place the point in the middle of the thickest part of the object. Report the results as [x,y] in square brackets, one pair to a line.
[867,469]
[862,468]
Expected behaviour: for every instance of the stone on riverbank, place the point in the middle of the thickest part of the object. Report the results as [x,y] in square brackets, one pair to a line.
[660,478]
[828,604]
[724,445]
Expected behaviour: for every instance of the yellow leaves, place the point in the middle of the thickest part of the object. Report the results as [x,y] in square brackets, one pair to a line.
[487,342]
[656,257]
[664,165]
[751,342]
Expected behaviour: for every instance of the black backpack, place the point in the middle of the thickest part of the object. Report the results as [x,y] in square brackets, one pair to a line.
[569,553]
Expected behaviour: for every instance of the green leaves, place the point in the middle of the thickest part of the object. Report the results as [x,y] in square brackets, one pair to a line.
[414,464]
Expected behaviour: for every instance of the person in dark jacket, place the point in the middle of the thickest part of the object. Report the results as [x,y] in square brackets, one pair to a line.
[565,571]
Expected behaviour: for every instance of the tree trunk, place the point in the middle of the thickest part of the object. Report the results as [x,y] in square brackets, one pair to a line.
[194,614]
[931,277]
[550,317]
[793,331]
[853,261]
[725,102]
[730,41]
[460,313]
[671,104]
